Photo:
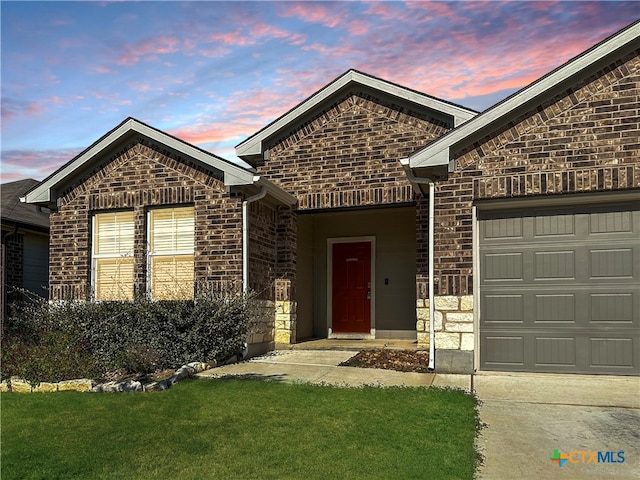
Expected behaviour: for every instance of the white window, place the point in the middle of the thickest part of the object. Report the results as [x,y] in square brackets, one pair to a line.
[170,254]
[112,255]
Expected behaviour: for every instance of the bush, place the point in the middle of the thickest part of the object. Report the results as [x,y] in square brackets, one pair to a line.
[45,341]
[43,347]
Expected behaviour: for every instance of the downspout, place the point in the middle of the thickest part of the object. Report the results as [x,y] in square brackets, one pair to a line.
[245,234]
[432,304]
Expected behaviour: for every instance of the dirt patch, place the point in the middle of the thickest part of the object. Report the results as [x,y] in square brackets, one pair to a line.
[399,360]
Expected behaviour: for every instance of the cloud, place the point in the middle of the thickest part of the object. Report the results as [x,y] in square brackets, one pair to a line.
[111,98]
[148,49]
[38,164]
[13,108]
[101,69]
[324,14]
[330,15]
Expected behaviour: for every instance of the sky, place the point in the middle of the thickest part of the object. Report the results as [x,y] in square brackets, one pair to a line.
[214,73]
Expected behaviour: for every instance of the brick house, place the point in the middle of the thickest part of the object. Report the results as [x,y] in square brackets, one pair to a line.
[505,240]
[25,244]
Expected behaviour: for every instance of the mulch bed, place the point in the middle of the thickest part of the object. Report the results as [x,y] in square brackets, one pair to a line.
[399,360]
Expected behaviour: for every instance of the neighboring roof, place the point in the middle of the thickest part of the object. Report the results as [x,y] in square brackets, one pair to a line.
[233,175]
[440,152]
[15,212]
[253,147]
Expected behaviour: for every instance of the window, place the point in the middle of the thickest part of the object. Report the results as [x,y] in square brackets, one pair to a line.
[112,255]
[171,250]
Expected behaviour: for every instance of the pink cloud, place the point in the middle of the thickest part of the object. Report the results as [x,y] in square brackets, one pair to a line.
[113,99]
[323,14]
[143,87]
[102,69]
[13,108]
[148,49]
[328,15]
[232,38]
[38,164]
[210,133]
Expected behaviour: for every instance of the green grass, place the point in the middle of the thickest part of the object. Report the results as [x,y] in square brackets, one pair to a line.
[240,429]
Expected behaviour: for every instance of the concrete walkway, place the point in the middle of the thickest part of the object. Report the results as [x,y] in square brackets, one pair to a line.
[527,416]
[317,367]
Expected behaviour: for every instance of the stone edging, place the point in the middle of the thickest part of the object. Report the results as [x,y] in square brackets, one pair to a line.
[19,385]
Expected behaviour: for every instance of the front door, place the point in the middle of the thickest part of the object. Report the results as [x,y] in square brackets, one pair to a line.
[351,291]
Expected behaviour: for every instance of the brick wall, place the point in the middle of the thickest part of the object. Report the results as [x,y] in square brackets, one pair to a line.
[262,250]
[139,176]
[348,156]
[585,140]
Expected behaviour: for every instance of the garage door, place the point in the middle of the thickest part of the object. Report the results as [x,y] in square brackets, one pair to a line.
[560,290]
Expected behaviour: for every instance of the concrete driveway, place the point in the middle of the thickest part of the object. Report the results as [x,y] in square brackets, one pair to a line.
[529,416]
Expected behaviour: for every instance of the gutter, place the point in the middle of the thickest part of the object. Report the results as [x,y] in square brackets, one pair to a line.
[432,304]
[245,233]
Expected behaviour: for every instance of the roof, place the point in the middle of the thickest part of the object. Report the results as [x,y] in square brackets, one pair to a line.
[15,212]
[441,151]
[233,174]
[253,147]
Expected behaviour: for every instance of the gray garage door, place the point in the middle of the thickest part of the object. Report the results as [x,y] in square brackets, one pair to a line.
[560,290]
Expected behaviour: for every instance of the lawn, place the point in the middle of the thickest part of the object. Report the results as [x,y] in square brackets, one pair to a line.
[240,429]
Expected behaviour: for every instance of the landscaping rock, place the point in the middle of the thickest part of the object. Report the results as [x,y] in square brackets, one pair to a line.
[198,366]
[184,372]
[19,385]
[46,387]
[4,386]
[124,386]
[78,385]
[157,386]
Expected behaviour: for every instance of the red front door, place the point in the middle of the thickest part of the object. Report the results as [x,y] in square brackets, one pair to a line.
[351,300]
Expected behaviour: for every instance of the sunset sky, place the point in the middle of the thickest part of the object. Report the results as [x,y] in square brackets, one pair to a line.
[214,73]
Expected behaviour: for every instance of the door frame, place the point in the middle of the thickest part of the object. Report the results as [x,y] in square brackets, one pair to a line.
[372,330]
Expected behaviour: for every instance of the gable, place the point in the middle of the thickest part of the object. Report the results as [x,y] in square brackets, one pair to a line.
[593,123]
[119,140]
[537,96]
[401,98]
[348,156]
[141,174]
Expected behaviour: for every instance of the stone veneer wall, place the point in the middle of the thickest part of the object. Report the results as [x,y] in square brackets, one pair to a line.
[583,140]
[139,176]
[453,323]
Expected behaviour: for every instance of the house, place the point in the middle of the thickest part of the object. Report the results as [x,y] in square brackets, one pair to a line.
[25,244]
[506,240]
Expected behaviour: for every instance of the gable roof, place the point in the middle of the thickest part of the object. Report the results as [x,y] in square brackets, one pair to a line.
[233,175]
[15,212]
[251,149]
[440,152]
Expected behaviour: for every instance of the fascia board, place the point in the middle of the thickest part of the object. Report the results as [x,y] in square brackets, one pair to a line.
[431,155]
[253,145]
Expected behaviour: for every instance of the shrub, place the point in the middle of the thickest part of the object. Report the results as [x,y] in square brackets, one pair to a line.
[42,347]
[45,341]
